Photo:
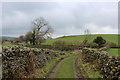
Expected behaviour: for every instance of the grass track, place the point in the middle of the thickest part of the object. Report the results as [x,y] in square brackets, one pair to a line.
[66,68]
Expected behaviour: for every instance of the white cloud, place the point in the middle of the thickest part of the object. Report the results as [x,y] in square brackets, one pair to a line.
[72,30]
[59,0]
[0,18]
[56,35]
[101,29]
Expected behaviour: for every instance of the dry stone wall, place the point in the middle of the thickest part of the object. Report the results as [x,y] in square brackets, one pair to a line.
[21,62]
[109,66]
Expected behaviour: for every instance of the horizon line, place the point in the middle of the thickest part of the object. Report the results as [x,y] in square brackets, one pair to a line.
[56,36]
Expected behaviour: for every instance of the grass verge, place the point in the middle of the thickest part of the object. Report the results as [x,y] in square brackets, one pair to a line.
[90,70]
[42,72]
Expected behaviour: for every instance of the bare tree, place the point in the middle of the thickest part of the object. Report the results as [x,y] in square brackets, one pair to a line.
[41,29]
[87,36]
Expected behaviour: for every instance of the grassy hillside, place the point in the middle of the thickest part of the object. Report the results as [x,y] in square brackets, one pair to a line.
[7,38]
[79,38]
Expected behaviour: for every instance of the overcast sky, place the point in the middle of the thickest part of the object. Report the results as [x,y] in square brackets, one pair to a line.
[66,18]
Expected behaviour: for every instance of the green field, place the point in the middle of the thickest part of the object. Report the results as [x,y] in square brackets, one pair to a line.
[79,38]
[114,51]
[66,68]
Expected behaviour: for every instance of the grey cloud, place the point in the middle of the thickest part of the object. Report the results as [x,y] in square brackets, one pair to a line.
[66,18]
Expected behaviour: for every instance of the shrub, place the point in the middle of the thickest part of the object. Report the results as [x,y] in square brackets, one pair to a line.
[100,41]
